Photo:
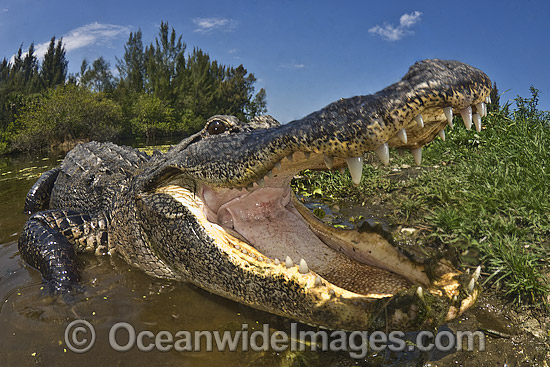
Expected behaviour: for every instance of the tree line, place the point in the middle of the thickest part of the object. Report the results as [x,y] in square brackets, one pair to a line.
[160,90]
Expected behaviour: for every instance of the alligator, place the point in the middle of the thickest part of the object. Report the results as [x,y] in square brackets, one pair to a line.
[217,209]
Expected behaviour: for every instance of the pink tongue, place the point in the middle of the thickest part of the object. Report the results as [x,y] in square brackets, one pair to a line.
[266,219]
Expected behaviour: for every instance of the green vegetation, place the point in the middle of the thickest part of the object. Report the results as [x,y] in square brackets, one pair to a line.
[484,193]
[66,113]
[160,91]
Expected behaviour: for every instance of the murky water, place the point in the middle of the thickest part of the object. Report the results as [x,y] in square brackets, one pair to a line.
[32,323]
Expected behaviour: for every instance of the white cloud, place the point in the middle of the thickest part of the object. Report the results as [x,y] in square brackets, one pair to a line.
[93,34]
[408,20]
[293,66]
[3,10]
[390,32]
[206,25]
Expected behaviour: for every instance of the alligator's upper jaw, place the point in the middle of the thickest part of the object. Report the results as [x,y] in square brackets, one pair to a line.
[407,114]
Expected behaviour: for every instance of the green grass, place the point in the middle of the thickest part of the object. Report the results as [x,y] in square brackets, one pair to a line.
[488,192]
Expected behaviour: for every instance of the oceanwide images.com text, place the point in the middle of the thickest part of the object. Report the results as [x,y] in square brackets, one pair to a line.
[80,337]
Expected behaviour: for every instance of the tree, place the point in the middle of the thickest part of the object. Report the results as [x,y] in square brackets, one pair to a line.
[495,99]
[21,76]
[258,106]
[152,117]
[99,77]
[527,108]
[163,61]
[54,66]
[208,88]
[197,85]
[18,79]
[132,65]
[25,74]
[67,114]
[238,97]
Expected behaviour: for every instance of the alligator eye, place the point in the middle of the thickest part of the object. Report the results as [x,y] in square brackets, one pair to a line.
[216,127]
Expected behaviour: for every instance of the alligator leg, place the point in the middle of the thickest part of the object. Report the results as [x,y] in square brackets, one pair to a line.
[38,197]
[51,239]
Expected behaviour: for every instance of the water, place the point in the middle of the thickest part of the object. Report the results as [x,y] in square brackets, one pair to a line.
[32,323]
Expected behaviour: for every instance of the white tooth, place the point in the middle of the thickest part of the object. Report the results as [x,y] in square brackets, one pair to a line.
[417,155]
[402,134]
[471,285]
[278,165]
[303,267]
[329,161]
[237,247]
[481,109]
[477,121]
[307,155]
[488,99]
[383,152]
[442,134]
[276,261]
[269,174]
[466,114]
[455,299]
[260,182]
[419,120]
[318,281]
[289,157]
[477,273]
[288,262]
[355,166]
[449,114]
[342,170]
[420,292]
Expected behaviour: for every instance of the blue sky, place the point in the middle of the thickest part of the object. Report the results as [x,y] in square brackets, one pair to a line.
[307,53]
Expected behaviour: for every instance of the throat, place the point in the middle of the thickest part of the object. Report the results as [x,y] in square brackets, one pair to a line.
[267,219]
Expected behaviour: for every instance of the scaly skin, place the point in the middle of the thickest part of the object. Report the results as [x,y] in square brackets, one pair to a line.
[186,215]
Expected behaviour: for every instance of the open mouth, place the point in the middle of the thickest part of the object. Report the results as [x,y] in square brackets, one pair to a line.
[272,222]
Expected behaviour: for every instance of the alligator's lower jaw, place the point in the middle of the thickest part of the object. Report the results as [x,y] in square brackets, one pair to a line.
[376,288]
